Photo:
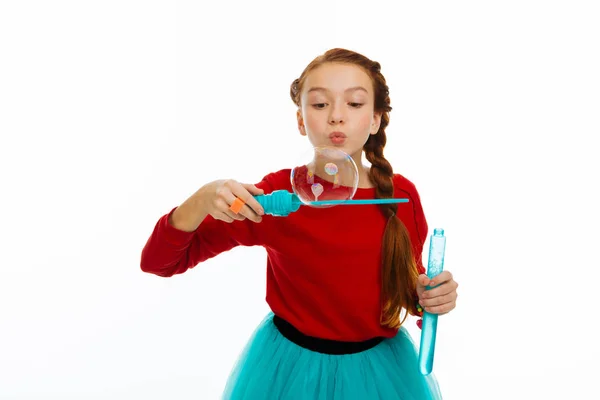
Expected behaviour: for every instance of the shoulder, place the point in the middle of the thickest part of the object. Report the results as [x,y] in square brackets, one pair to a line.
[404,185]
[276,180]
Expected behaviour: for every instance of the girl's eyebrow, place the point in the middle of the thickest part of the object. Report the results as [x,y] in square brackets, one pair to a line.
[322,89]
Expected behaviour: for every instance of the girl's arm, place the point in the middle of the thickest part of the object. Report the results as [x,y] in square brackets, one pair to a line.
[197,230]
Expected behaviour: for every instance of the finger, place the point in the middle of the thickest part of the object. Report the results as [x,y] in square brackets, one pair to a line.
[226,203]
[250,214]
[225,199]
[242,213]
[246,196]
[237,217]
[444,276]
[255,191]
[224,207]
[441,309]
[223,217]
[439,300]
[440,290]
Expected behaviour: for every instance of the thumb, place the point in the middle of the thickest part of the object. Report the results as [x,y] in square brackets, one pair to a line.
[422,281]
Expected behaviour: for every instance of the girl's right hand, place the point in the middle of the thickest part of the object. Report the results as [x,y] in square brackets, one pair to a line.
[217,197]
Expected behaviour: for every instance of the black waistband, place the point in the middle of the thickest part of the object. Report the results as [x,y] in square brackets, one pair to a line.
[325,346]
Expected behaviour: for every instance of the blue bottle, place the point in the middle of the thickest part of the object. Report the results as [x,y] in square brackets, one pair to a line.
[437,248]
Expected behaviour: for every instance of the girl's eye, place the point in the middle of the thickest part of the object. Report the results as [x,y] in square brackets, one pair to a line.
[322,105]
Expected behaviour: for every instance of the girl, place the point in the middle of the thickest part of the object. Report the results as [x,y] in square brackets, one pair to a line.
[338,279]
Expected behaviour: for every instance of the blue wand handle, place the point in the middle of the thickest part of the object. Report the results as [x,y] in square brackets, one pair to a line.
[437,248]
[280,203]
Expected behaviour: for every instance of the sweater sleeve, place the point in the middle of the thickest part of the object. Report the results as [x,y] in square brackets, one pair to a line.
[169,251]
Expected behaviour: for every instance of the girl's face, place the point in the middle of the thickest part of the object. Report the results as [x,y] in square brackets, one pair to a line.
[337,108]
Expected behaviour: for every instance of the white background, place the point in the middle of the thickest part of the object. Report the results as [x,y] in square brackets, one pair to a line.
[112,113]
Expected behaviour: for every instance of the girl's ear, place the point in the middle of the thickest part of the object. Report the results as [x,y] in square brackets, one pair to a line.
[375,123]
[301,127]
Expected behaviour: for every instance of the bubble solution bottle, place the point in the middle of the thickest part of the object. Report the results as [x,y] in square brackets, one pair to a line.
[437,248]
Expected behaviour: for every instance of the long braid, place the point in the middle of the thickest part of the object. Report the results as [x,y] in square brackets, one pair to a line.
[399,271]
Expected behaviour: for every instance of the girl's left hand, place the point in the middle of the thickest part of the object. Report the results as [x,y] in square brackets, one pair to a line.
[441,299]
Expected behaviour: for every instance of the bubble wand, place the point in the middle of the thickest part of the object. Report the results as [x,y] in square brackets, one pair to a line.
[437,248]
[308,185]
[281,203]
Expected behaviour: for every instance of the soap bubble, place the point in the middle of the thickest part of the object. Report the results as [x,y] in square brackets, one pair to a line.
[325,173]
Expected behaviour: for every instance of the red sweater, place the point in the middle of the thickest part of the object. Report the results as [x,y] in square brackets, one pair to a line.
[323,264]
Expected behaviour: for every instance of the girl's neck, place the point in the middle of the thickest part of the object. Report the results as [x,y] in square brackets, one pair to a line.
[364,181]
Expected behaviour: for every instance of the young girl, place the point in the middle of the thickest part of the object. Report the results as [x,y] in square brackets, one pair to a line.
[338,278]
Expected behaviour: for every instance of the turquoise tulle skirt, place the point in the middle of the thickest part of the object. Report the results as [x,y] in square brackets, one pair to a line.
[273,367]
